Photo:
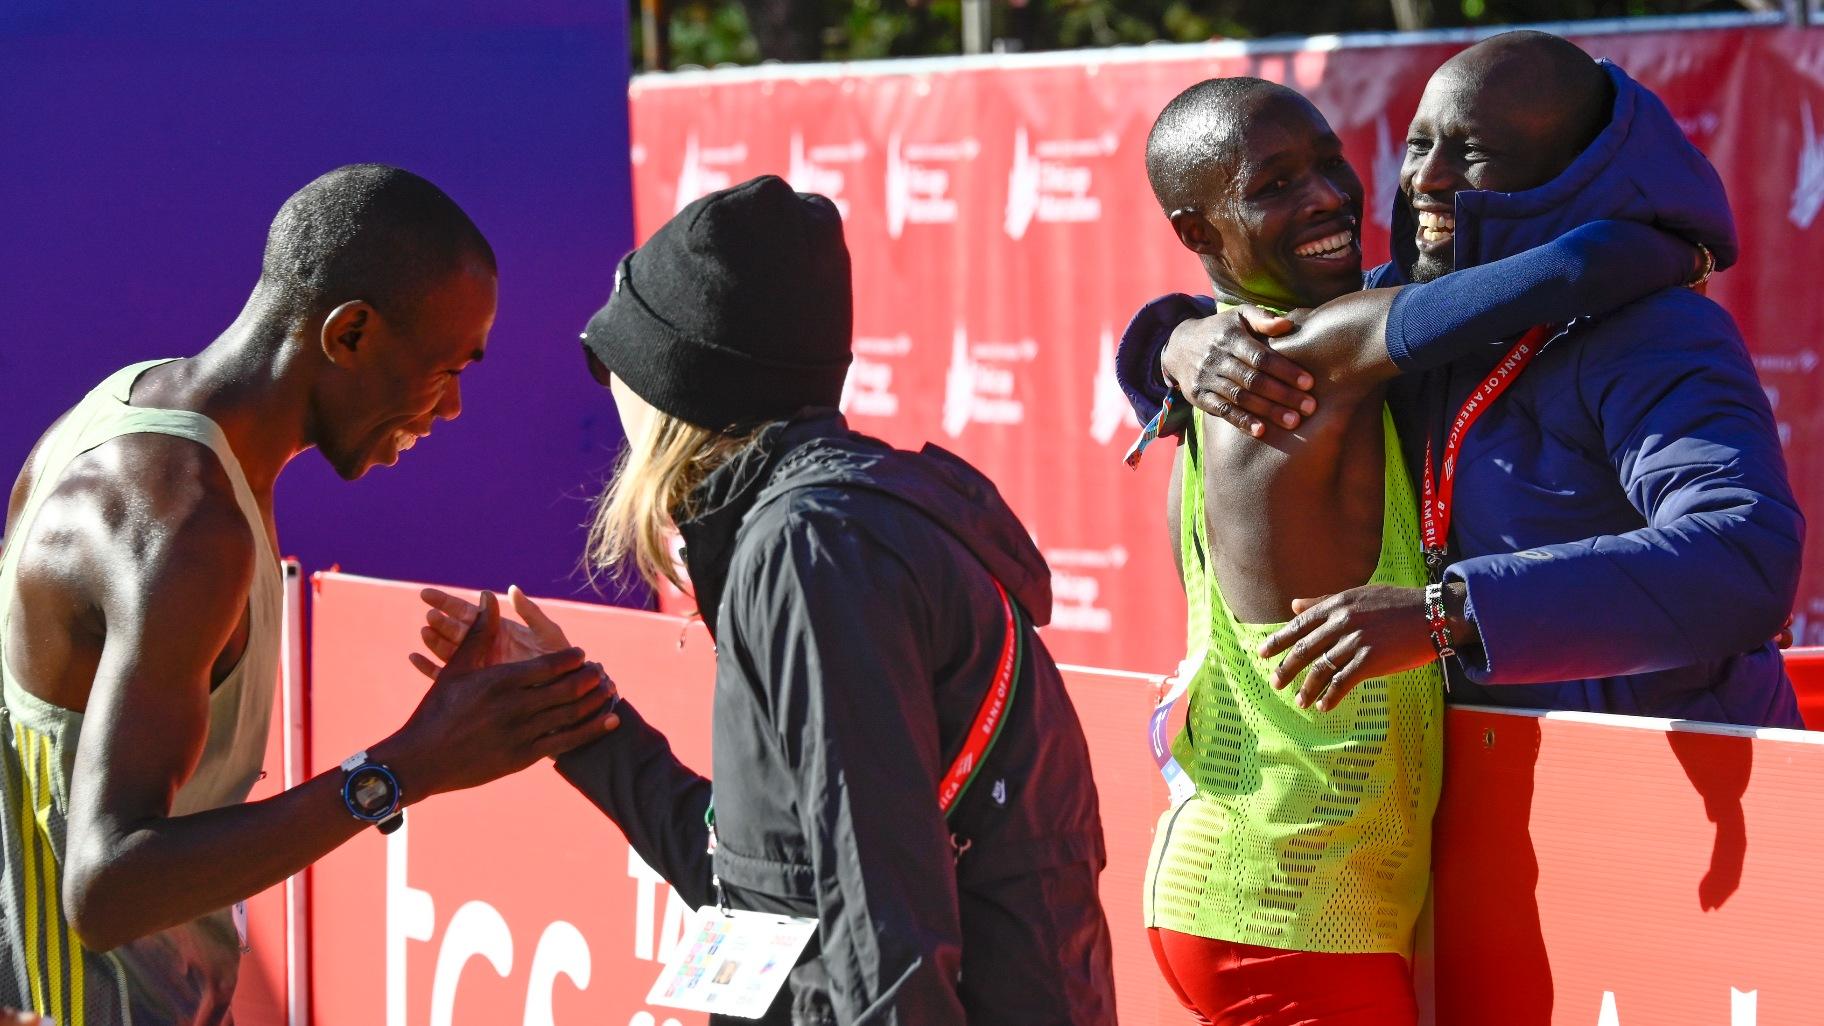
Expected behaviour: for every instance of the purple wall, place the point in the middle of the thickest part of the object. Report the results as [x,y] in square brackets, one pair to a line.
[148,146]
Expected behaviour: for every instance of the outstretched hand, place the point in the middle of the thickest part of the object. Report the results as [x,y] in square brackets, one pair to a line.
[1224,366]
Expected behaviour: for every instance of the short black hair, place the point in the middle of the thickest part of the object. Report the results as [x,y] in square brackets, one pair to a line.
[1196,132]
[368,232]
[1547,72]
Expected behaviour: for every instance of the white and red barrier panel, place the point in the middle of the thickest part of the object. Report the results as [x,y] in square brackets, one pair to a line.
[1613,871]
[519,902]
[1595,872]
[270,991]
[1002,231]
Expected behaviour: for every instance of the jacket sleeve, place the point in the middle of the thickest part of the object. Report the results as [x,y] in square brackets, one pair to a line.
[657,801]
[1142,344]
[1592,269]
[1714,571]
[834,625]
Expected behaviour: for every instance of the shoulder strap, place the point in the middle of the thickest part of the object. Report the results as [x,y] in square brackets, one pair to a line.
[985,728]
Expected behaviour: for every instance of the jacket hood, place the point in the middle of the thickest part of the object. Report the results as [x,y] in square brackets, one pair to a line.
[1641,168]
[819,450]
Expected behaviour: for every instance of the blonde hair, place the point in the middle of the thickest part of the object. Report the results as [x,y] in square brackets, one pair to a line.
[653,488]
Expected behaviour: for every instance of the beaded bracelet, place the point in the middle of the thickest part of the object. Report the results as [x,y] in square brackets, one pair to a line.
[1438,621]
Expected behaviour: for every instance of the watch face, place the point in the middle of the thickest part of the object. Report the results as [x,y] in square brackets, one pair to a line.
[371,791]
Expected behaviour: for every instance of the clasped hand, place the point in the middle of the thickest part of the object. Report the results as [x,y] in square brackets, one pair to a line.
[1224,366]
[503,694]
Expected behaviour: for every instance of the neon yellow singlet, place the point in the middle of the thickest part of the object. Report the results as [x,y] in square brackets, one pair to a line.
[1308,831]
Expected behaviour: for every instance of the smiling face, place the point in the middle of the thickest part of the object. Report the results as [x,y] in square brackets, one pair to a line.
[396,376]
[1285,209]
[1506,115]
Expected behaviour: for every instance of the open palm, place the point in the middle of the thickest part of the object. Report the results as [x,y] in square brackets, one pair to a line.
[448,618]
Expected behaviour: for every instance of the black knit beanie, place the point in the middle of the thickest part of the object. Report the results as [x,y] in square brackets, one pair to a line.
[736,311]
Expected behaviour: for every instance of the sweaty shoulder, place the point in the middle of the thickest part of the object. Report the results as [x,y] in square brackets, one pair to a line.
[139,543]
[140,513]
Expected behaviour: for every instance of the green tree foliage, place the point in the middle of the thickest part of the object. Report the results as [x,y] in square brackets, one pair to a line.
[712,32]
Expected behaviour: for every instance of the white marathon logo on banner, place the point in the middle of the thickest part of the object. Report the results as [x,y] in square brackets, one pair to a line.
[981,386]
[1804,622]
[918,191]
[868,390]
[704,169]
[1109,410]
[1701,125]
[1389,155]
[819,169]
[1808,191]
[1744,1008]
[478,930]
[1076,587]
[1049,182]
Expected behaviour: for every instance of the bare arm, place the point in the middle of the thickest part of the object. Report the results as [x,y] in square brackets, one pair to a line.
[172,593]
[1344,342]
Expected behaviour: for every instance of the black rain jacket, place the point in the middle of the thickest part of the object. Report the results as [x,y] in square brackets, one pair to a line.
[848,586]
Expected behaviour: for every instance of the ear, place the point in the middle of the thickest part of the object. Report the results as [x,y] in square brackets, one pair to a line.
[344,329]
[1195,232]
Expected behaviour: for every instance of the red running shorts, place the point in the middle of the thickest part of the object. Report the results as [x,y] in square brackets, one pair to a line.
[1228,984]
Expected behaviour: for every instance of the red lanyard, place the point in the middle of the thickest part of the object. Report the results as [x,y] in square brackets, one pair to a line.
[990,717]
[1435,503]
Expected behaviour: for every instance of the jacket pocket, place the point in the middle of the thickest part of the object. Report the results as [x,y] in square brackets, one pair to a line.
[794,882]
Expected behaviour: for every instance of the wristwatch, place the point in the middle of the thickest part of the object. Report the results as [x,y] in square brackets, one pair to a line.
[371,793]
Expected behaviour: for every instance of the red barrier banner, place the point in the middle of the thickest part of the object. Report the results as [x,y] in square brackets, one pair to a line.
[1612,871]
[518,902]
[1002,231]
[1591,871]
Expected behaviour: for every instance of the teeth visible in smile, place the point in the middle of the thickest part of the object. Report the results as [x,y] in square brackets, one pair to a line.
[404,440]
[1436,227]
[1326,246]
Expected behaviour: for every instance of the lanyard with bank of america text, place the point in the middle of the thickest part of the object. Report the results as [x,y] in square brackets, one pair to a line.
[984,729]
[1435,506]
